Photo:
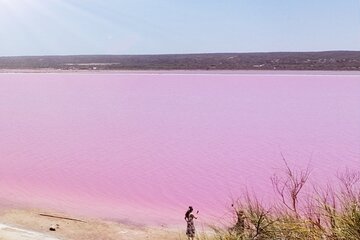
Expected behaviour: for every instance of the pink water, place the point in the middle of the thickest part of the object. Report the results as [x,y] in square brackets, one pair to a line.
[143,146]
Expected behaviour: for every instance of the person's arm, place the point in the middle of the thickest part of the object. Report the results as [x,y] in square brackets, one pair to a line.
[197,212]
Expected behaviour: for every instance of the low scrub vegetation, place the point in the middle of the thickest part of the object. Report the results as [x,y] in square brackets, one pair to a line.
[331,212]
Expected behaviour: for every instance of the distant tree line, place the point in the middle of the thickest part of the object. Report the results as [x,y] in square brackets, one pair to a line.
[336,60]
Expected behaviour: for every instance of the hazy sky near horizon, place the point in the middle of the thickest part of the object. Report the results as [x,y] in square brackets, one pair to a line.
[49,27]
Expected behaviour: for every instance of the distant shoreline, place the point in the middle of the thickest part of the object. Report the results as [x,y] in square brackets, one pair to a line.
[181,72]
[279,61]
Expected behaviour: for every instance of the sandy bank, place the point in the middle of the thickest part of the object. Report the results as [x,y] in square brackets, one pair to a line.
[13,233]
[18,224]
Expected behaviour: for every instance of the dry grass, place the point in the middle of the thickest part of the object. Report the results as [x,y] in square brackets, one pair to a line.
[324,213]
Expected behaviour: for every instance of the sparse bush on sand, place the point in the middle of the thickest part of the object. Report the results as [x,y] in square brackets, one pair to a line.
[327,213]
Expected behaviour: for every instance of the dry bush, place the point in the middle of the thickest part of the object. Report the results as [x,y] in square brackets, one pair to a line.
[327,213]
[289,185]
[253,219]
[347,220]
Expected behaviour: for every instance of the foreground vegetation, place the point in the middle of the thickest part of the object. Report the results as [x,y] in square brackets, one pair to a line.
[303,211]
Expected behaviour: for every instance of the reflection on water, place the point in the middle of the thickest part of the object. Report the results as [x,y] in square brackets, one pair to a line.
[148,146]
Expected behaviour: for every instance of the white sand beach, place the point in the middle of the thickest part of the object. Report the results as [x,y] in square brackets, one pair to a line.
[13,233]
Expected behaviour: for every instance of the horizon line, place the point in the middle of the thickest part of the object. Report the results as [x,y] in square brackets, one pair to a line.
[178,54]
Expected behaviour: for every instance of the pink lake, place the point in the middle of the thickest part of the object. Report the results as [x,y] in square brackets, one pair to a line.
[142,147]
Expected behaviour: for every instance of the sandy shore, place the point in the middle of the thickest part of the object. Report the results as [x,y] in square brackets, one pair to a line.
[34,224]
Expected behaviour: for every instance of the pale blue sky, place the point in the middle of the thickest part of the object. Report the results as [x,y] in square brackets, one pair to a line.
[48,27]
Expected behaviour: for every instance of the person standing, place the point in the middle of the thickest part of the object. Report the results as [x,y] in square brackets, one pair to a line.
[189,218]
